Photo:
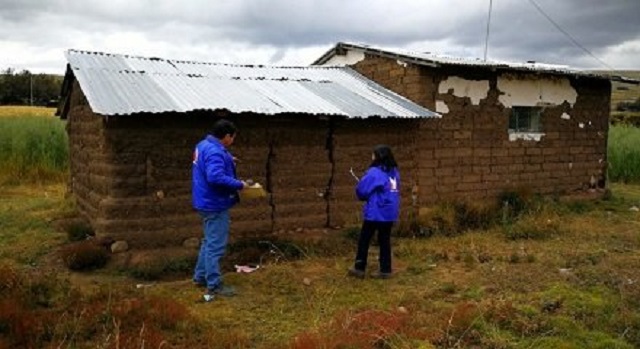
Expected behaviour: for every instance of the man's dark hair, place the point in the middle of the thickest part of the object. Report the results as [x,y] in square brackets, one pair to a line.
[383,158]
[222,128]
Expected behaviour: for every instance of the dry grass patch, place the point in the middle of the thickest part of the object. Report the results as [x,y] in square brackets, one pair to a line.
[26,213]
[18,111]
[574,288]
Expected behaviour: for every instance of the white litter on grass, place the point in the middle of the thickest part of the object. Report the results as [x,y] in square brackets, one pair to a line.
[246,268]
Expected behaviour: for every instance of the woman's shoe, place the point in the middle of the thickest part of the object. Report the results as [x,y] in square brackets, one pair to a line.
[381,275]
[356,273]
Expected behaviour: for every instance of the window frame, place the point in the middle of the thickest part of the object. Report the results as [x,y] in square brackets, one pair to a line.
[530,133]
[533,119]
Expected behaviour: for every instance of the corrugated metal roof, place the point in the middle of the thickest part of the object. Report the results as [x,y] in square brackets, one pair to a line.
[436,60]
[121,85]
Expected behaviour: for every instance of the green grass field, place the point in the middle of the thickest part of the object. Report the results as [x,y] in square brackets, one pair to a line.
[33,145]
[624,154]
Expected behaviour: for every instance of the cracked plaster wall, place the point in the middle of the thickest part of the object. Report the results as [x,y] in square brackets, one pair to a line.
[535,91]
[467,154]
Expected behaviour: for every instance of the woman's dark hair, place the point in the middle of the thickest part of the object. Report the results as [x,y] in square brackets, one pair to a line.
[383,158]
[222,128]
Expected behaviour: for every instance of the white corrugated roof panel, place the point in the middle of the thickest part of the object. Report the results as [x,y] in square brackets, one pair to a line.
[121,85]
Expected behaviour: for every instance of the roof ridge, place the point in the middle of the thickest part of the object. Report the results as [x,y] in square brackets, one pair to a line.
[186,61]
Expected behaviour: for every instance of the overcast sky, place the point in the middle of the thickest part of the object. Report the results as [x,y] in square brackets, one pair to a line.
[35,33]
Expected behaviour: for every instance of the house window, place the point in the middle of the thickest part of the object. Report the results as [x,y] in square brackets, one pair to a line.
[525,119]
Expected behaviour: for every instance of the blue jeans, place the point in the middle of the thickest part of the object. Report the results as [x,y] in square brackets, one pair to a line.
[216,232]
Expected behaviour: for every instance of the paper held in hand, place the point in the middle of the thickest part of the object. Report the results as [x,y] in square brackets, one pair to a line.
[253,191]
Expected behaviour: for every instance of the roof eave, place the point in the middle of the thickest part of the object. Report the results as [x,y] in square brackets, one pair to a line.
[346,46]
[65,93]
[624,80]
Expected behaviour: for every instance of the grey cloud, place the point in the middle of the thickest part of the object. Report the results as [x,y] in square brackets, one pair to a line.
[518,31]
[16,11]
[522,32]
[278,23]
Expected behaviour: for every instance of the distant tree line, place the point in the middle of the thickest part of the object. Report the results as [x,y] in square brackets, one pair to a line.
[25,88]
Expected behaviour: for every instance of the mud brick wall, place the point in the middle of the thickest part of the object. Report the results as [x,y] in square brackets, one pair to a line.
[131,175]
[408,80]
[353,142]
[300,171]
[145,170]
[467,153]
[251,217]
[86,142]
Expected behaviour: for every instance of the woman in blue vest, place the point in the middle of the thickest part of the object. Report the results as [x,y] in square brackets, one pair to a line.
[380,189]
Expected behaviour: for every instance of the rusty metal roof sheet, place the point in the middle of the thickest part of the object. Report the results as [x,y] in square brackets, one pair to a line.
[436,60]
[120,85]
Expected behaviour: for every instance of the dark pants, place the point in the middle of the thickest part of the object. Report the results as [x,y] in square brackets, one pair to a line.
[384,239]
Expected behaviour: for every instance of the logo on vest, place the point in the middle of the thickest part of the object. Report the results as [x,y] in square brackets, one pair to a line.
[393,183]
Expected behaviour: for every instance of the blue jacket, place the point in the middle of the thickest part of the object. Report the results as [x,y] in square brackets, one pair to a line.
[381,191]
[214,183]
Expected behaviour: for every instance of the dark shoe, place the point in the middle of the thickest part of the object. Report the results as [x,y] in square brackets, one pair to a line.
[208,297]
[223,291]
[381,275]
[356,273]
[199,283]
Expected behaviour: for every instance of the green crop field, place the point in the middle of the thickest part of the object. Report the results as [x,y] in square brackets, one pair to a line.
[33,145]
[624,154]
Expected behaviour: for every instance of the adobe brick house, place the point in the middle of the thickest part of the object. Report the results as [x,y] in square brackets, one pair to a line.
[133,123]
[503,126]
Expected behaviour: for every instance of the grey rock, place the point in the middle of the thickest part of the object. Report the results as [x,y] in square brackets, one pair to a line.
[119,246]
[191,243]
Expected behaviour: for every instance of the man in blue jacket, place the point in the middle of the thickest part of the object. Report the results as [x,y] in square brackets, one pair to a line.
[215,190]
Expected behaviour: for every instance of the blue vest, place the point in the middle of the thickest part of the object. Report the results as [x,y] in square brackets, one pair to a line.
[381,191]
[214,183]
